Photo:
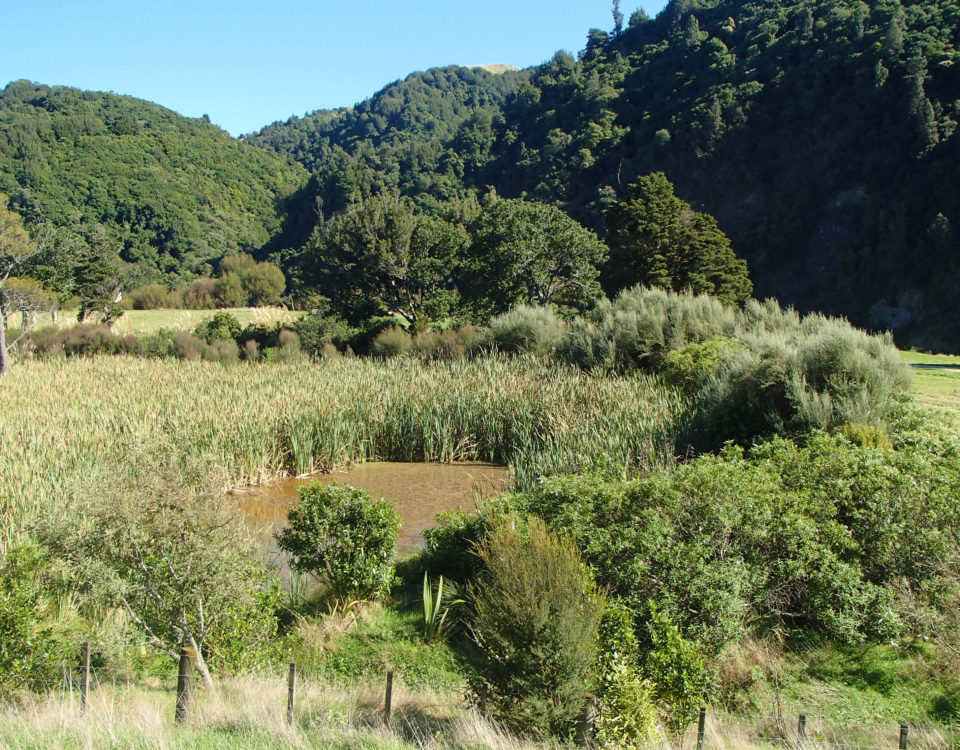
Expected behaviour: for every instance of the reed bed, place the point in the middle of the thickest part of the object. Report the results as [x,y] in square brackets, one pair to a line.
[70,424]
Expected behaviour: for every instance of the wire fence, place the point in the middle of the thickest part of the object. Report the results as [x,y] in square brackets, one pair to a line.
[709,729]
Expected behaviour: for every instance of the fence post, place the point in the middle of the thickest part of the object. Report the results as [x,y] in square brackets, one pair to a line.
[84,675]
[184,684]
[483,700]
[584,736]
[701,725]
[388,697]
[802,729]
[903,736]
[291,691]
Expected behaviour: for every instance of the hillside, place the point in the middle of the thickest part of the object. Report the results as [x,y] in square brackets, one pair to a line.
[171,194]
[820,135]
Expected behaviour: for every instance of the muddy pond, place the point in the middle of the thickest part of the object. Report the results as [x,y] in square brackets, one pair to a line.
[417,490]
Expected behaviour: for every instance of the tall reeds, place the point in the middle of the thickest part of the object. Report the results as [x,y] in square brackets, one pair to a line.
[68,424]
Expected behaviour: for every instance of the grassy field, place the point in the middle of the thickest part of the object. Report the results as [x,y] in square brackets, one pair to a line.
[936,381]
[150,321]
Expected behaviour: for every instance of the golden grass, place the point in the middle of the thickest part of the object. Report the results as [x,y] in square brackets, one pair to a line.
[151,321]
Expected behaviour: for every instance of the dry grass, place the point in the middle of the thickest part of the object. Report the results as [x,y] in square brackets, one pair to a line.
[151,321]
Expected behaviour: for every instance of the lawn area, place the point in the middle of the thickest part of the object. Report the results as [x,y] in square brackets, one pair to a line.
[936,380]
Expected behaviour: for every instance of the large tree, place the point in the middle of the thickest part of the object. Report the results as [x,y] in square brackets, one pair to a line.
[530,253]
[656,239]
[381,257]
[16,248]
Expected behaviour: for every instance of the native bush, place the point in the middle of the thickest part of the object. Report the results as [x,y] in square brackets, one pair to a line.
[150,297]
[626,715]
[344,539]
[317,330]
[33,642]
[526,329]
[222,326]
[535,616]
[391,342]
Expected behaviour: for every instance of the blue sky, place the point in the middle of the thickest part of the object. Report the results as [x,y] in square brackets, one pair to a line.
[247,64]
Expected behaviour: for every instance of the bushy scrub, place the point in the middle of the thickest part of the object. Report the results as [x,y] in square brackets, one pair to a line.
[316,331]
[626,714]
[222,326]
[528,329]
[337,533]
[535,616]
[177,561]
[391,342]
[33,644]
[846,540]
[818,373]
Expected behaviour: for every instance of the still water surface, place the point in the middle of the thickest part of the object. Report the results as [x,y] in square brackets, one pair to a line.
[418,491]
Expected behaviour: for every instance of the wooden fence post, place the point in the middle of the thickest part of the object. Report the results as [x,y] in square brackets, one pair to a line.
[802,729]
[388,697]
[903,736]
[84,675]
[291,691]
[483,700]
[584,736]
[701,726]
[184,684]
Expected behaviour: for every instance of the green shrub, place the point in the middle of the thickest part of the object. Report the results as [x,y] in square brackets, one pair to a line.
[32,646]
[537,330]
[150,297]
[316,331]
[391,342]
[682,680]
[691,366]
[535,616]
[222,326]
[344,539]
[626,716]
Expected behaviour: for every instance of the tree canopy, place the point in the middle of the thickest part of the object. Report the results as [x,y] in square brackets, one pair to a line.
[656,239]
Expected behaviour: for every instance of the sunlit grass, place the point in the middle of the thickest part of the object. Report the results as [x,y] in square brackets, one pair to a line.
[69,424]
[151,321]
[936,384]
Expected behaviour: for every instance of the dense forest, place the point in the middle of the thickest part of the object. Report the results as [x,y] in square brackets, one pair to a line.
[820,137]
[170,195]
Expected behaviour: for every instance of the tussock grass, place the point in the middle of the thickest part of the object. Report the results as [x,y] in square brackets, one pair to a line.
[70,424]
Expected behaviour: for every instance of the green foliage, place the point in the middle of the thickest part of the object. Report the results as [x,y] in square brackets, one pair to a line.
[171,195]
[222,326]
[317,330]
[535,616]
[691,366]
[530,253]
[656,239]
[32,646]
[526,329]
[336,533]
[178,562]
[391,342]
[682,681]
[437,606]
[627,717]
[786,536]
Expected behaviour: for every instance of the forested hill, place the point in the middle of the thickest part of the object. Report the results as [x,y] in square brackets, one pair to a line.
[172,195]
[418,134]
[821,135]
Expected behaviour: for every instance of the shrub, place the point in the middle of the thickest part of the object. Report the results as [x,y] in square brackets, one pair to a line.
[316,331]
[221,327]
[535,616]
[32,647]
[682,680]
[537,330]
[391,342]
[150,297]
[200,295]
[344,539]
[626,715]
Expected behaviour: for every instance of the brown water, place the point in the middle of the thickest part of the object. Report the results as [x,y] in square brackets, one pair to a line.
[417,490]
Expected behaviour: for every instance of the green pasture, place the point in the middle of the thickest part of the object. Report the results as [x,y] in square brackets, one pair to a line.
[936,380]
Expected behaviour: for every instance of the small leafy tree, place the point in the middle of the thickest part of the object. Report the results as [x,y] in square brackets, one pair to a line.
[178,562]
[535,616]
[682,680]
[222,326]
[344,539]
